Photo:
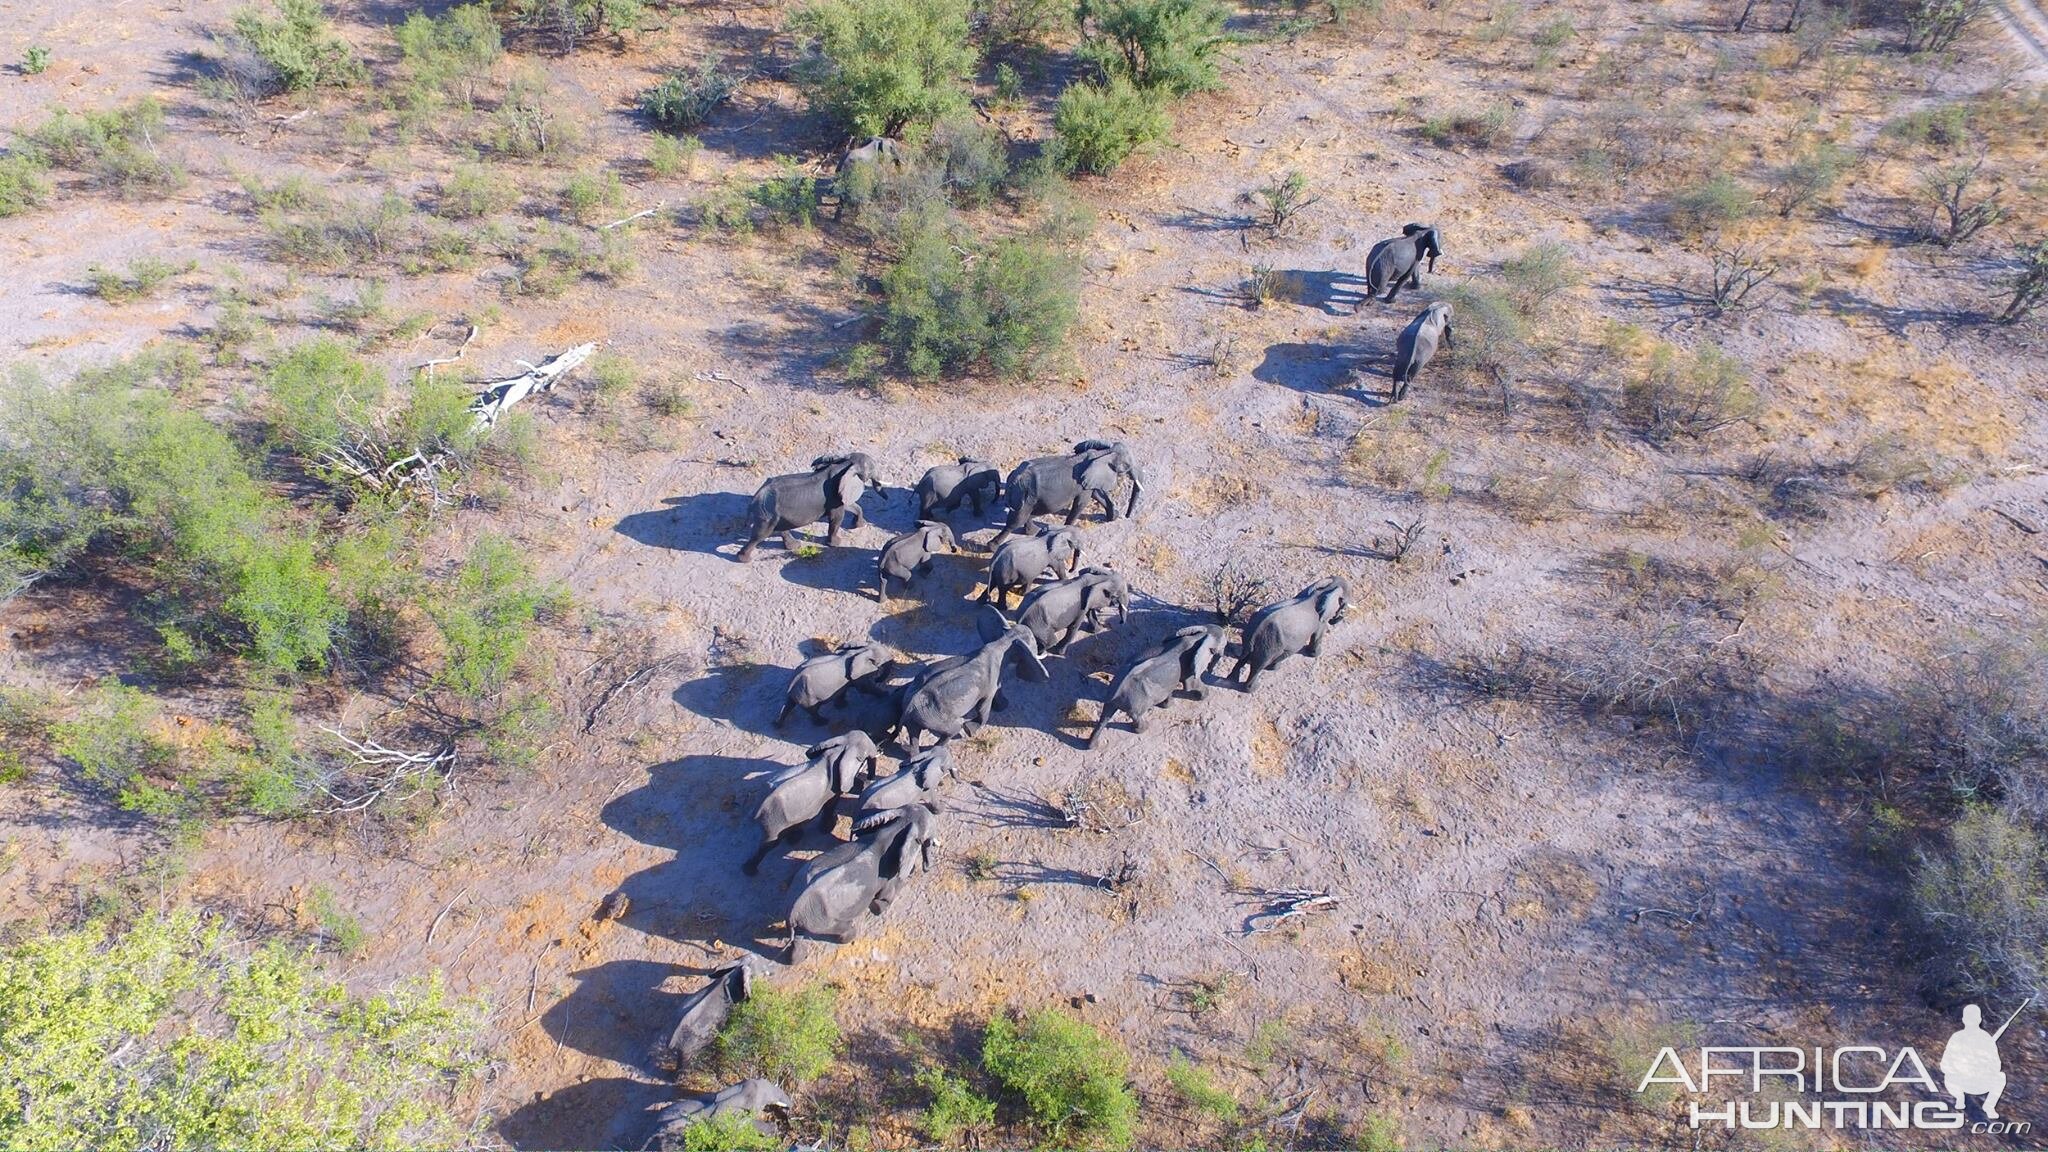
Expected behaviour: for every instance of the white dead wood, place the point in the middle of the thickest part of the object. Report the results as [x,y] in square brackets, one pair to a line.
[460,350]
[633,217]
[499,396]
[376,771]
[1288,906]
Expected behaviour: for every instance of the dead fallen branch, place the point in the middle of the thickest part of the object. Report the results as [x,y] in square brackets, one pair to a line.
[620,687]
[375,771]
[1287,906]
[499,396]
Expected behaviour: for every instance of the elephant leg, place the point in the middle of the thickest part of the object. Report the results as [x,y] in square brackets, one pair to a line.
[855,518]
[790,543]
[1141,720]
[817,716]
[1315,643]
[759,533]
[1074,509]
[1109,710]
[753,865]
[832,530]
[827,817]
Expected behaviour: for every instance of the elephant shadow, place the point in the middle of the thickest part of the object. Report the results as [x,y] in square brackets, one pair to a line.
[619,1012]
[746,695]
[1317,368]
[613,1112]
[847,568]
[1321,290]
[701,523]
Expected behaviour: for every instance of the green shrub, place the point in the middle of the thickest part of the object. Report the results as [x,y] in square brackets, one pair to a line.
[486,616]
[1194,1085]
[321,233]
[969,156]
[1714,203]
[35,61]
[1810,175]
[1676,394]
[574,21]
[284,605]
[123,149]
[728,1133]
[114,742]
[1097,127]
[787,1036]
[1984,898]
[876,65]
[473,191]
[1169,45]
[687,97]
[321,397]
[22,185]
[1020,23]
[1538,274]
[589,196]
[788,199]
[296,47]
[556,257]
[670,156]
[1071,1077]
[957,1111]
[448,57]
[952,306]
[175,1034]
[145,275]
[341,928]
[1487,127]
[529,121]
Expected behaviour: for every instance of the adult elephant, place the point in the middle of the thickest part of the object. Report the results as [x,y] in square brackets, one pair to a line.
[1055,613]
[822,679]
[1418,343]
[705,1012]
[1150,682]
[1394,264]
[1016,566]
[798,795]
[1298,625]
[1053,484]
[956,698]
[785,503]
[859,878]
[942,489]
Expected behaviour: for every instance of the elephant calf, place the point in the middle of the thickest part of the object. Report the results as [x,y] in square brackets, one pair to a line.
[1417,345]
[918,780]
[911,554]
[1056,613]
[801,794]
[705,1012]
[944,487]
[1021,560]
[1280,630]
[822,679]
[785,503]
[1176,666]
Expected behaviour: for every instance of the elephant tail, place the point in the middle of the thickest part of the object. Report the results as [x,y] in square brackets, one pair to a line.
[1101,722]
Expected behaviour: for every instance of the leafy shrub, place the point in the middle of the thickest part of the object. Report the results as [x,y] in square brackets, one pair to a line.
[1071,1077]
[1982,896]
[1492,335]
[473,191]
[1714,203]
[587,194]
[114,743]
[2027,282]
[297,49]
[1810,175]
[1933,25]
[322,233]
[321,397]
[122,149]
[1021,23]
[876,65]
[486,616]
[787,1036]
[529,122]
[1199,1089]
[1097,127]
[448,57]
[35,61]
[573,21]
[556,258]
[22,185]
[951,305]
[687,97]
[970,158]
[1169,45]
[956,1111]
[669,156]
[174,1033]
[1487,127]
[1537,275]
[728,1133]
[1674,394]
[145,275]
[787,199]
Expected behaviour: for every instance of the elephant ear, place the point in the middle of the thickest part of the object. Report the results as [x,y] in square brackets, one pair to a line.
[989,624]
[849,486]
[1330,600]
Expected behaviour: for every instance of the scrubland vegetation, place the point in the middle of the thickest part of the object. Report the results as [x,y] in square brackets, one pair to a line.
[1734,287]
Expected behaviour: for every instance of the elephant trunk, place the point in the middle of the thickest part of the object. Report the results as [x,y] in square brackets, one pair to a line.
[1137,487]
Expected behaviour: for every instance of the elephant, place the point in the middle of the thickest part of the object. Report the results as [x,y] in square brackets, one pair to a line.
[1280,630]
[705,1011]
[917,780]
[1017,565]
[1066,608]
[863,166]
[1417,344]
[1392,264]
[860,877]
[822,679]
[956,697]
[805,792]
[1150,682]
[785,503]
[911,554]
[1053,484]
[944,487]
[754,1099]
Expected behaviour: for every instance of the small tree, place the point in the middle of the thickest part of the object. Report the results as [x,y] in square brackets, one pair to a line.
[1809,176]
[1283,199]
[687,97]
[1955,210]
[295,50]
[781,1035]
[951,307]
[1933,25]
[2029,284]
[877,65]
[1072,1078]
[1735,273]
[1165,44]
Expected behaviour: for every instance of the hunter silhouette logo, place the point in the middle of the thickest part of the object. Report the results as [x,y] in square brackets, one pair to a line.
[1841,1088]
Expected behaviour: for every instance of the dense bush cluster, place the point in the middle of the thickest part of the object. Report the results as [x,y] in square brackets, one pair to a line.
[875,66]
[1072,1079]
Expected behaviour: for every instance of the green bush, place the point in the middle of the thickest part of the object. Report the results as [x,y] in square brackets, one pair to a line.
[788,199]
[529,121]
[1984,898]
[957,1111]
[1021,23]
[1810,175]
[1538,274]
[1169,45]
[473,191]
[145,275]
[321,396]
[123,149]
[35,61]
[297,48]
[1677,394]
[1194,1085]
[952,306]
[787,1036]
[22,185]
[486,616]
[875,66]
[282,600]
[448,57]
[175,1034]
[670,156]
[1712,204]
[1072,1078]
[729,1133]
[1097,127]
[589,196]
[687,97]
[114,742]
[312,230]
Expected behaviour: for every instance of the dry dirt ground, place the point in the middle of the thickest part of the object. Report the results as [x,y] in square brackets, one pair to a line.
[1525,893]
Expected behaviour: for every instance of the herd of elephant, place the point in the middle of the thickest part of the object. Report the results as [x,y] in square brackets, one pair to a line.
[895,815]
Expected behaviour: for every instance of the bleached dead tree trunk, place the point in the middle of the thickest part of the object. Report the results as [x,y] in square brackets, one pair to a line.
[500,395]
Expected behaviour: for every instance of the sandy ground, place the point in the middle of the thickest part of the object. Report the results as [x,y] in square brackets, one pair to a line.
[1517,886]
